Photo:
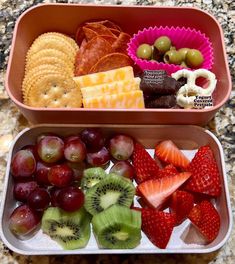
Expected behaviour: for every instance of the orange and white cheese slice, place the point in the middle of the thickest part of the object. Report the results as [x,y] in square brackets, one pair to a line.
[132,99]
[119,74]
[111,88]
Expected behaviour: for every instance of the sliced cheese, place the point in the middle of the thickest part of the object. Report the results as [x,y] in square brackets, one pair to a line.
[133,99]
[105,77]
[111,88]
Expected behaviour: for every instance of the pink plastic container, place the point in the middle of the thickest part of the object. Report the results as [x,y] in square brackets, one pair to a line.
[187,138]
[66,17]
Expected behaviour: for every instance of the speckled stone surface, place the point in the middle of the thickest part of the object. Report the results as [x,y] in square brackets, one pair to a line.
[11,122]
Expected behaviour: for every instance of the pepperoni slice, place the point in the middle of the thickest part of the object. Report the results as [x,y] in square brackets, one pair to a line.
[120,45]
[110,39]
[89,33]
[99,29]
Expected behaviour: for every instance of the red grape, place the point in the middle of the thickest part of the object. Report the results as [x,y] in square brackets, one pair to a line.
[70,138]
[77,168]
[75,150]
[121,147]
[99,158]
[93,139]
[50,149]
[23,164]
[39,199]
[23,221]
[33,149]
[22,190]
[54,192]
[70,198]
[41,174]
[60,175]
[123,168]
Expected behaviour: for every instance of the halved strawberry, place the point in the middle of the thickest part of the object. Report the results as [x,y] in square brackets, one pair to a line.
[168,152]
[157,191]
[145,166]
[205,174]
[157,226]
[181,203]
[206,219]
[168,170]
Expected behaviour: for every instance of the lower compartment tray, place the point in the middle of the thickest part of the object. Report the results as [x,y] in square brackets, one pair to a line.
[187,138]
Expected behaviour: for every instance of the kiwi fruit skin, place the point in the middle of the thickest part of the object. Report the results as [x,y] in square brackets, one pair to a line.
[91,177]
[117,227]
[113,189]
[69,229]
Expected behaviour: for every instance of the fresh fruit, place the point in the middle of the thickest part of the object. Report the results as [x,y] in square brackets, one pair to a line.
[91,177]
[194,58]
[93,139]
[145,166]
[50,149]
[206,219]
[123,168]
[70,199]
[144,51]
[75,150]
[168,170]
[181,203]
[39,199]
[162,44]
[117,227]
[70,229]
[157,191]
[157,226]
[168,152]
[41,173]
[22,190]
[23,164]
[121,147]
[70,138]
[31,148]
[60,175]
[205,173]
[172,57]
[113,189]
[78,169]
[23,221]
[100,158]
[54,192]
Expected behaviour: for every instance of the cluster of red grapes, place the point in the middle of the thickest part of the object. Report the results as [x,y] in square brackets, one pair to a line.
[49,172]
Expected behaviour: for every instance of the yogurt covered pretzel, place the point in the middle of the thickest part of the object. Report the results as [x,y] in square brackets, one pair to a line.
[187,93]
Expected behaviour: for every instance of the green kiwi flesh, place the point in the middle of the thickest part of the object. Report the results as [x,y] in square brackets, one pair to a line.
[113,189]
[70,229]
[91,177]
[117,227]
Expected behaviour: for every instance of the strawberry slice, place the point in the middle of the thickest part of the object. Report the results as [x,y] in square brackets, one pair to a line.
[168,170]
[181,203]
[145,166]
[157,191]
[168,152]
[206,219]
[157,226]
[205,174]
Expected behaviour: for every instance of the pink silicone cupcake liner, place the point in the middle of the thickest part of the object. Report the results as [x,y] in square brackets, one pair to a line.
[180,38]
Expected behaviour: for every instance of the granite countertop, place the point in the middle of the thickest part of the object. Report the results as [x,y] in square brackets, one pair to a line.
[222,126]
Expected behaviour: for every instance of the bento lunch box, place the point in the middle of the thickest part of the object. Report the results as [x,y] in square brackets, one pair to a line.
[65,18]
[188,139]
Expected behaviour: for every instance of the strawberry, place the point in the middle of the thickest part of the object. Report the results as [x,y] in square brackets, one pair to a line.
[168,152]
[168,170]
[205,174]
[145,166]
[157,226]
[157,191]
[206,219]
[181,203]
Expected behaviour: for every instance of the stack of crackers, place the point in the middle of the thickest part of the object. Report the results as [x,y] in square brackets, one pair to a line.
[48,73]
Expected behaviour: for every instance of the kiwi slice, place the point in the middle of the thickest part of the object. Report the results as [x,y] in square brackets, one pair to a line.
[70,229]
[113,189]
[91,177]
[117,227]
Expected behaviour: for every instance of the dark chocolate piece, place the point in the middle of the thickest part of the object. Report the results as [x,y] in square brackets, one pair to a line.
[158,83]
[167,101]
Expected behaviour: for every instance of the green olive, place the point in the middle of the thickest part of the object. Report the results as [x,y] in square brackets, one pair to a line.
[172,57]
[183,52]
[183,64]
[172,48]
[194,58]
[162,44]
[144,51]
